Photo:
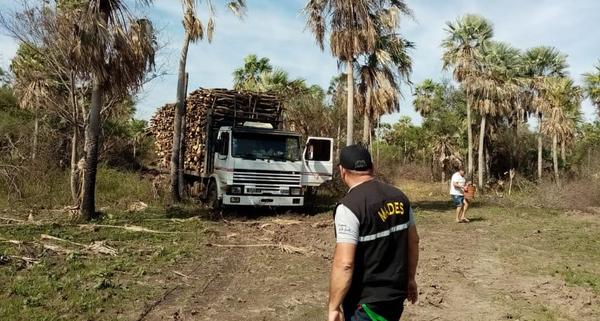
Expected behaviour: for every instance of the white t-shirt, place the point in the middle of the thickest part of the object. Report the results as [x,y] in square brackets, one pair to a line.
[458,180]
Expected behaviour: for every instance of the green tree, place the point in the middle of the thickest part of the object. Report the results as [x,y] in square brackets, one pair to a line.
[564,98]
[194,31]
[466,37]
[352,28]
[7,96]
[492,86]
[251,73]
[428,96]
[592,86]
[382,72]
[540,63]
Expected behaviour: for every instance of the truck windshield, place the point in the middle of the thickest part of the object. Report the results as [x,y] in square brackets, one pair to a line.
[265,146]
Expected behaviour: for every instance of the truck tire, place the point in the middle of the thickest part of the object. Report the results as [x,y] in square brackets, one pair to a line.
[212,197]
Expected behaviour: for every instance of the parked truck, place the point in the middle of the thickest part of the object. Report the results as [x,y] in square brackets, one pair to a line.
[237,154]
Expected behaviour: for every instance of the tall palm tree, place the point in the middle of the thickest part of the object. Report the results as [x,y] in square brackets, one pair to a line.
[564,98]
[194,31]
[382,71]
[592,86]
[465,39]
[380,78]
[541,63]
[118,50]
[352,27]
[492,85]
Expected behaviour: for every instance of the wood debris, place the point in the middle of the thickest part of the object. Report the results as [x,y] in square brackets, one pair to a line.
[283,247]
[131,228]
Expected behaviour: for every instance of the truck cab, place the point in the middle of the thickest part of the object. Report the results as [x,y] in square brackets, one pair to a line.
[257,165]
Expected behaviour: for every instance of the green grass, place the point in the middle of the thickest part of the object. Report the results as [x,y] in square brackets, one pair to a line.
[50,189]
[82,287]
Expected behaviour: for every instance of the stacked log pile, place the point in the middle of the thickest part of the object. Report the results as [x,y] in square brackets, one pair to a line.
[228,107]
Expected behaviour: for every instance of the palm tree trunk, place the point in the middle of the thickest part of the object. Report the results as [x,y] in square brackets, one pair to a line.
[339,136]
[350,111]
[469,139]
[75,183]
[366,119]
[540,146]
[88,202]
[480,164]
[36,131]
[366,130]
[75,175]
[179,112]
[180,165]
[181,180]
[515,143]
[563,152]
[555,157]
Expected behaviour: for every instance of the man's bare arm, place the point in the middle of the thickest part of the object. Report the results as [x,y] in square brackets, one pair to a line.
[341,274]
[413,261]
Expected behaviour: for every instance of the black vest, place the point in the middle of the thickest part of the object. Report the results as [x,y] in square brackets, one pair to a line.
[381,260]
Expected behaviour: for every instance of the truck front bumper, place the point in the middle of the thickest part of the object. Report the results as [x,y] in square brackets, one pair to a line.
[263,200]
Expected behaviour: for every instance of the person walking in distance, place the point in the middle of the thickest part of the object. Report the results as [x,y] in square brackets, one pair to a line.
[457,193]
[377,246]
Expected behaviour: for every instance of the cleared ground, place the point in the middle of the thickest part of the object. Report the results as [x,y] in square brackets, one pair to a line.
[509,263]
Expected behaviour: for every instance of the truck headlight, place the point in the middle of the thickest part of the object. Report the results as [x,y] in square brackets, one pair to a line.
[236,189]
[295,191]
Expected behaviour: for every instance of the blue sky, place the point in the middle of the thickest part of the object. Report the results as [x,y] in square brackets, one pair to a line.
[276,29]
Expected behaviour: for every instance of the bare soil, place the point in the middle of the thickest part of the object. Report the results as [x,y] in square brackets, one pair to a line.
[504,265]
[509,263]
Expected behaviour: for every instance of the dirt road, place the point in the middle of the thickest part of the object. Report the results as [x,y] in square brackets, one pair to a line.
[505,265]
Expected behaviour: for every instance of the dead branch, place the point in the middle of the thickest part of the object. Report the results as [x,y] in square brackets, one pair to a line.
[131,228]
[12,219]
[95,247]
[283,247]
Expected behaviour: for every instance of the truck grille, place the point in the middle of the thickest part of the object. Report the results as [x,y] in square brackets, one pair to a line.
[263,179]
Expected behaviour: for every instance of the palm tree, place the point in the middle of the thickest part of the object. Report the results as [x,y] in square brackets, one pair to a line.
[541,63]
[466,37]
[194,31]
[353,31]
[117,50]
[564,99]
[492,86]
[427,97]
[382,72]
[248,76]
[592,86]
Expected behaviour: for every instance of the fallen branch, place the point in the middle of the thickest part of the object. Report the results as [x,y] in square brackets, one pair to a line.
[184,275]
[283,247]
[25,259]
[57,249]
[95,247]
[131,228]
[12,219]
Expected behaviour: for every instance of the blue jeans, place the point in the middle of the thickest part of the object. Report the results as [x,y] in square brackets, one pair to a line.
[458,200]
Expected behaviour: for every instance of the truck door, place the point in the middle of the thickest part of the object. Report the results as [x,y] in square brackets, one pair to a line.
[317,161]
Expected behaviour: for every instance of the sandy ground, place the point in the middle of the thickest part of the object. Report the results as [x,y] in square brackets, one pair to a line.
[464,273]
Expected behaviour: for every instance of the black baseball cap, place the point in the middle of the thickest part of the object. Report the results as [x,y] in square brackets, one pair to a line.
[356,157]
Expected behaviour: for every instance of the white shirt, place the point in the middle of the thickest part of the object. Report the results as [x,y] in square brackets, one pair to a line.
[458,180]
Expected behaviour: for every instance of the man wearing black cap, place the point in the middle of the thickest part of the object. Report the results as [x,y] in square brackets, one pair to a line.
[377,248]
